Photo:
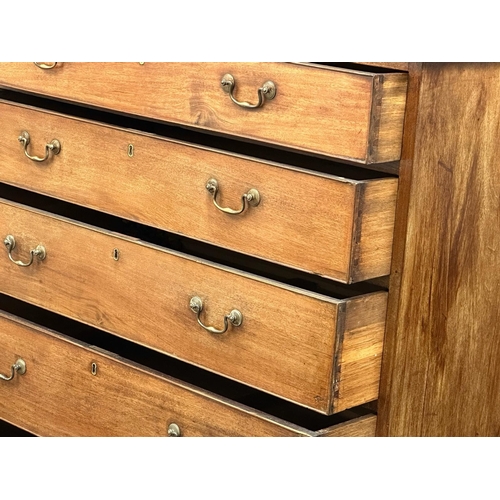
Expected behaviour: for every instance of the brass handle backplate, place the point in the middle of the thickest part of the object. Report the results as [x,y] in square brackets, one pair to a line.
[43,65]
[53,146]
[39,251]
[250,198]
[266,92]
[18,367]
[234,317]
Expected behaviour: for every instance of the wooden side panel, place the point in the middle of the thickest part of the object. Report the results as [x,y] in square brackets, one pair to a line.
[303,220]
[59,396]
[284,345]
[441,375]
[374,229]
[389,102]
[359,427]
[333,107]
[360,357]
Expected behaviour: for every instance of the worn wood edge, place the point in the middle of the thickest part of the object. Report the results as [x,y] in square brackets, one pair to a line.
[221,267]
[387,117]
[370,259]
[359,427]
[59,337]
[337,355]
[399,245]
[357,373]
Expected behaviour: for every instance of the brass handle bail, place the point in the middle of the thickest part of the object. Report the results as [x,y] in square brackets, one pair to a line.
[43,65]
[250,198]
[39,251]
[18,367]
[234,317]
[266,92]
[53,146]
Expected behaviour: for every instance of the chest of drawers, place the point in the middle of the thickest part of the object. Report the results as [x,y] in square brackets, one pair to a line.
[203,249]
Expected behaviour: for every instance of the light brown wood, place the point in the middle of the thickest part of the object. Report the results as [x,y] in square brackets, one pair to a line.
[340,112]
[358,427]
[374,224]
[389,91]
[284,346]
[359,358]
[440,369]
[59,396]
[304,220]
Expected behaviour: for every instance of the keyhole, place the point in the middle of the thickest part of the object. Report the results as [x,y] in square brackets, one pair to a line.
[130,151]
[116,253]
[93,369]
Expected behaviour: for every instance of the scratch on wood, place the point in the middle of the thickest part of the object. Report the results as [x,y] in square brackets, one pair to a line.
[442,164]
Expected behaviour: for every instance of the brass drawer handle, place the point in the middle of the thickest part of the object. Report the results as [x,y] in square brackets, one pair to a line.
[267,91]
[252,198]
[234,317]
[54,146]
[18,367]
[39,251]
[42,65]
[174,430]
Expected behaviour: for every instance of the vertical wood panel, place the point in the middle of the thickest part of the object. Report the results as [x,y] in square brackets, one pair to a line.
[441,374]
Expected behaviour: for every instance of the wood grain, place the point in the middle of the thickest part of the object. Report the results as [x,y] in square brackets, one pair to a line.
[440,371]
[388,105]
[332,106]
[373,226]
[357,372]
[284,345]
[359,427]
[304,220]
[59,396]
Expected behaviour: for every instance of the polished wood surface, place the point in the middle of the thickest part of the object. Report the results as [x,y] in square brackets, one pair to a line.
[59,396]
[144,296]
[361,341]
[331,226]
[342,113]
[440,371]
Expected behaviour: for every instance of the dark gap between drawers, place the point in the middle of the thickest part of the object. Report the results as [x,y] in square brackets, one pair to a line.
[218,255]
[359,67]
[179,370]
[9,430]
[242,146]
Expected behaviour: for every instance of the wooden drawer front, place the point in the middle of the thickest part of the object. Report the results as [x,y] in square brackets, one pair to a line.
[59,396]
[338,228]
[291,343]
[329,111]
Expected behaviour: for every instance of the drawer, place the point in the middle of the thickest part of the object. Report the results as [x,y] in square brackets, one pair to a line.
[323,110]
[318,351]
[331,226]
[72,389]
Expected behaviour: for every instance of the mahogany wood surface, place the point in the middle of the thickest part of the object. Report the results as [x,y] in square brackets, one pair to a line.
[331,226]
[59,396]
[284,346]
[440,373]
[342,113]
